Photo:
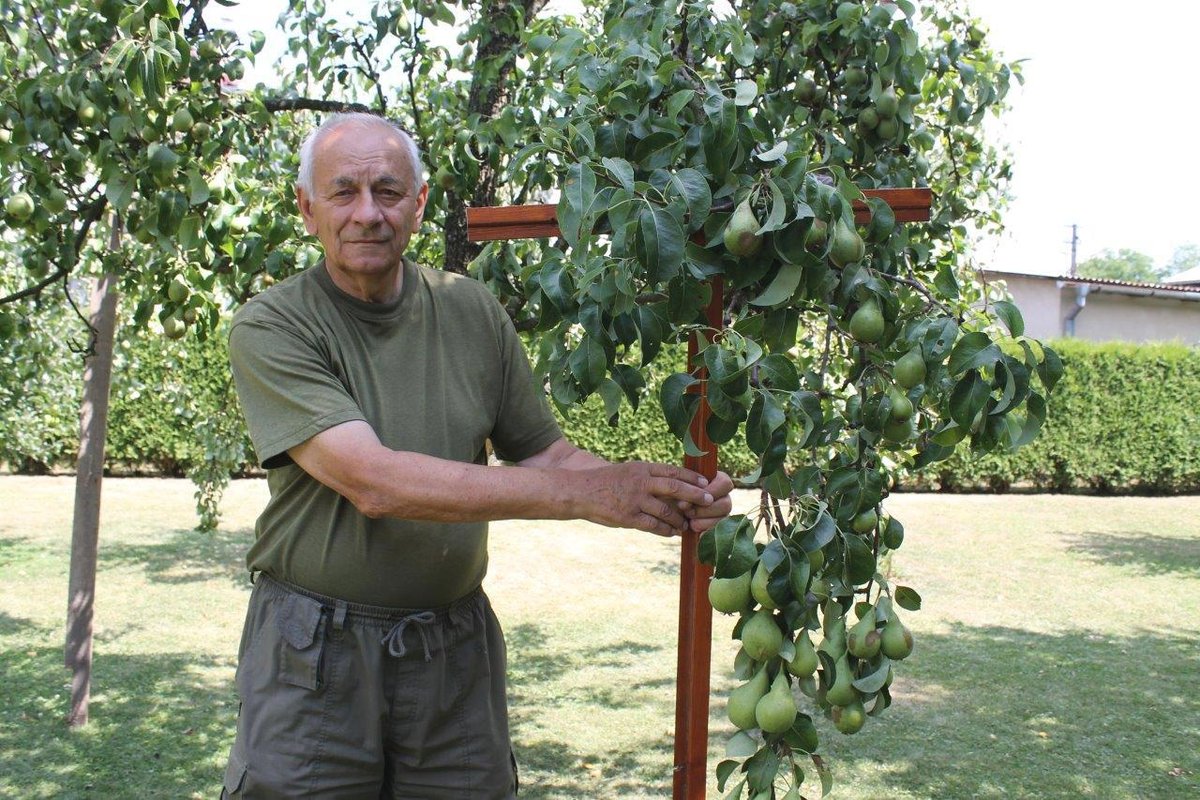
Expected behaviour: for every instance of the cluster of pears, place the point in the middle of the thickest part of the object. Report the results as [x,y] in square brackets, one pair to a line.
[766,701]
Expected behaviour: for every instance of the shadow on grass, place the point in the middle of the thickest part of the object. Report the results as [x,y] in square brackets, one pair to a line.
[187,556]
[160,727]
[1149,554]
[16,548]
[1000,712]
[10,624]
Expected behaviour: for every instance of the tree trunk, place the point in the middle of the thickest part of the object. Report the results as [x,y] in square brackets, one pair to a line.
[93,426]
[486,97]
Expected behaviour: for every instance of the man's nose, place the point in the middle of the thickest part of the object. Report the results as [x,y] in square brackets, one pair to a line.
[366,210]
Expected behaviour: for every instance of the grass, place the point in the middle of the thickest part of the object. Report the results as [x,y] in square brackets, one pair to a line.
[1057,651]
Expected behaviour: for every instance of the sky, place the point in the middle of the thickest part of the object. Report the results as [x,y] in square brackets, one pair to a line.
[1101,135]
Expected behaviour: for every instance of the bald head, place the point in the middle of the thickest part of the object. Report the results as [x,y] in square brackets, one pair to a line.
[310,147]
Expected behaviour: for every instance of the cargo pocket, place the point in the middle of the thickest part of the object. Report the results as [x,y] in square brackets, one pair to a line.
[301,622]
[235,777]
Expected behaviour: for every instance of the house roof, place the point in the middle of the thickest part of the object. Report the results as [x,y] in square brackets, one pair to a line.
[1187,276]
[1173,290]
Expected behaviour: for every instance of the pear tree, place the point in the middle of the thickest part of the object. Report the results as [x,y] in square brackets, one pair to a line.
[695,153]
[705,153]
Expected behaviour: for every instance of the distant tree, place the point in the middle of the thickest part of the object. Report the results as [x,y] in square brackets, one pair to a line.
[1122,265]
[1184,258]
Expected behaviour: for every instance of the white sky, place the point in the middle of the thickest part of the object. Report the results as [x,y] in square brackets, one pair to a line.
[1102,134]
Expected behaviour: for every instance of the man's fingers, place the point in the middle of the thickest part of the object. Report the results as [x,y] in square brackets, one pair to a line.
[678,473]
[680,490]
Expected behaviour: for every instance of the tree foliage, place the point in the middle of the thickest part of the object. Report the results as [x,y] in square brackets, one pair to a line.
[682,144]
[1122,265]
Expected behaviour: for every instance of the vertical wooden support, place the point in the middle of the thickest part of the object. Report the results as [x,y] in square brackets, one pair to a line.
[695,614]
[93,424]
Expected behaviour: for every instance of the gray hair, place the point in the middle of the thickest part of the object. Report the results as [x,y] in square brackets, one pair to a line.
[305,177]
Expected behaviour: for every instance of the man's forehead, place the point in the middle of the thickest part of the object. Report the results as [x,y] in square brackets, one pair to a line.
[350,151]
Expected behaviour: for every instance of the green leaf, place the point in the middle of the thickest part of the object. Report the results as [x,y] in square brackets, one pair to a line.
[907,598]
[729,547]
[859,560]
[620,170]
[782,287]
[610,392]
[968,398]
[576,202]
[1010,315]
[820,534]
[761,769]
[744,92]
[197,188]
[631,381]
[588,363]
[660,242]
[694,189]
[678,405]
[776,219]
[872,683]
[1050,370]
[778,372]
[946,283]
[1036,406]
[971,351]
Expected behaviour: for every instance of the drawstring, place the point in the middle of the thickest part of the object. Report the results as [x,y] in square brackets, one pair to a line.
[394,639]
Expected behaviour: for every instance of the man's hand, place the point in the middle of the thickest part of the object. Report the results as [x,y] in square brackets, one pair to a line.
[701,518]
[649,497]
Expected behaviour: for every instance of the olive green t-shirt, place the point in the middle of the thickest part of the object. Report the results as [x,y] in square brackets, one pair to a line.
[439,371]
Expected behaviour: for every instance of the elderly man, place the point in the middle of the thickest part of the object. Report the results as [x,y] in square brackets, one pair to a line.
[371,664]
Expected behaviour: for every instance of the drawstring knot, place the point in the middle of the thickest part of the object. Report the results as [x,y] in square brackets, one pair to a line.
[394,638]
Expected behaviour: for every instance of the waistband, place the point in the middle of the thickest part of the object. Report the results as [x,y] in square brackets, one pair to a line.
[383,613]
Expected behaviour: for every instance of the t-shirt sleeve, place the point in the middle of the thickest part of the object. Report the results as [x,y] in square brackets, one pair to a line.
[287,390]
[524,425]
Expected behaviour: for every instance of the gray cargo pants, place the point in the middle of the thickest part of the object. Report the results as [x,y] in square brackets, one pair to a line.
[353,702]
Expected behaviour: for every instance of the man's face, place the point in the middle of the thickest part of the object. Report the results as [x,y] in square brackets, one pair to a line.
[363,207]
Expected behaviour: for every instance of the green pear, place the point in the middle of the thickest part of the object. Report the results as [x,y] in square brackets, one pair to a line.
[850,718]
[818,234]
[730,595]
[758,587]
[902,407]
[776,710]
[866,324]
[834,642]
[865,521]
[895,641]
[741,234]
[744,699]
[842,691]
[805,661]
[910,369]
[893,534]
[888,105]
[848,246]
[863,640]
[793,793]
[761,636]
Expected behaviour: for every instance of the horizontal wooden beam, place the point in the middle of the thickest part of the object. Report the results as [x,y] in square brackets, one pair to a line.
[494,223]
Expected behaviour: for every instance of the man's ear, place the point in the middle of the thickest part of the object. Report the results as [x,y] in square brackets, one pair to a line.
[419,213]
[305,204]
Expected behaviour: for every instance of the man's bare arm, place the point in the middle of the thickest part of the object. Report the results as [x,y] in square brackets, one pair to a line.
[381,482]
[564,455]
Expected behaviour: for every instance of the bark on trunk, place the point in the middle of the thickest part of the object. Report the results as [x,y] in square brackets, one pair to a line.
[486,97]
[93,426]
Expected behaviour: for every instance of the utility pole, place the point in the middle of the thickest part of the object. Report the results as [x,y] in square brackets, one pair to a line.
[1074,246]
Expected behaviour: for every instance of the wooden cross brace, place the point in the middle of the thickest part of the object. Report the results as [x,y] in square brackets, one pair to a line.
[693,666]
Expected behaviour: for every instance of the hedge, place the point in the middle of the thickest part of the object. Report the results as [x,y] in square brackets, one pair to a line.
[1123,419]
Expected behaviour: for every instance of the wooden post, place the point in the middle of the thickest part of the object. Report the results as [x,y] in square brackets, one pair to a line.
[93,424]
[690,777]
[694,664]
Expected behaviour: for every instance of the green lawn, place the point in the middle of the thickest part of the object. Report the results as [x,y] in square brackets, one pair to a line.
[1058,651]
